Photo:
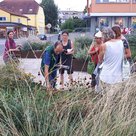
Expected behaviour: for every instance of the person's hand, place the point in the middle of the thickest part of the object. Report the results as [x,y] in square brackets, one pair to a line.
[48,86]
[96,49]
[18,48]
[69,51]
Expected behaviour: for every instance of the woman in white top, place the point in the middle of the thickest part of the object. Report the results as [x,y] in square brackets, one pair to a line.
[111,56]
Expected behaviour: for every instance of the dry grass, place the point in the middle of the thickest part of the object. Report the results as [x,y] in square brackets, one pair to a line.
[75,112]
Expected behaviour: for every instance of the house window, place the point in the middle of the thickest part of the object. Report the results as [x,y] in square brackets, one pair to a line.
[19,21]
[133,1]
[20,9]
[30,9]
[134,22]
[2,18]
[103,22]
[119,21]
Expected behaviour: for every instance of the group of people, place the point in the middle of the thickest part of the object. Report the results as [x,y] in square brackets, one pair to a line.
[59,55]
[107,51]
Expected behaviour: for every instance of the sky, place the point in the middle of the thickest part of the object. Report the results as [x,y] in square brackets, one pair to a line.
[77,5]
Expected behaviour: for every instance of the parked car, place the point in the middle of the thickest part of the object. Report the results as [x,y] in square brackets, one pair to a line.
[42,36]
[59,35]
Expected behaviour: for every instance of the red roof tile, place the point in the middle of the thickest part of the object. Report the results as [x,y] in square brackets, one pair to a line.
[21,6]
[12,13]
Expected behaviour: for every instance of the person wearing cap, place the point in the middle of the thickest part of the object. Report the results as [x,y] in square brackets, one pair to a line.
[94,52]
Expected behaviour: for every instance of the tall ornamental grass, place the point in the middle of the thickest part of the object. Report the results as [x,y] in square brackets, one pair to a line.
[27,109]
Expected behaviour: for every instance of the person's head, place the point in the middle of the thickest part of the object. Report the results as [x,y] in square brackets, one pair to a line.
[98,37]
[65,35]
[108,34]
[58,47]
[10,34]
[117,31]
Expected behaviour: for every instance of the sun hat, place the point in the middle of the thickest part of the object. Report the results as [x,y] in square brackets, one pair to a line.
[98,34]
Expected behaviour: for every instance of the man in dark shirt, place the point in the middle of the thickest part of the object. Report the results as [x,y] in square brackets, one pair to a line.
[50,60]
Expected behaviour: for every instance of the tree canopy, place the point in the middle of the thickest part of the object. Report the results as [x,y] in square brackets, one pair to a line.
[73,23]
[50,12]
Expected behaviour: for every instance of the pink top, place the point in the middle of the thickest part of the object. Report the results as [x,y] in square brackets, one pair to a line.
[9,44]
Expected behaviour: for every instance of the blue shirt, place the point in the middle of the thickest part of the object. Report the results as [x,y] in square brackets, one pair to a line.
[50,58]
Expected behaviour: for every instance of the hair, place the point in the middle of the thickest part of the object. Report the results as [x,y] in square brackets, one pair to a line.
[117,31]
[57,43]
[9,32]
[65,32]
[108,34]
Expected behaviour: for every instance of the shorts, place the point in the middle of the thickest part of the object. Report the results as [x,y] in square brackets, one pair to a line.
[69,71]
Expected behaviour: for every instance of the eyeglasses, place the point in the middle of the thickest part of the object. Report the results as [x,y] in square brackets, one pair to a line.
[64,35]
[97,38]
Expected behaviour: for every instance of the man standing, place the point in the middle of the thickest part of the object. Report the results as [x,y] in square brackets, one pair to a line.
[50,60]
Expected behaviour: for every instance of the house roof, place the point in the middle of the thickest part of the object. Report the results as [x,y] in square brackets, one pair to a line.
[12,13]
[11,24]
[21,6]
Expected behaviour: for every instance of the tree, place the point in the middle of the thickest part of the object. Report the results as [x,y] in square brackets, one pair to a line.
[72,23]
[50,12]
[69,24]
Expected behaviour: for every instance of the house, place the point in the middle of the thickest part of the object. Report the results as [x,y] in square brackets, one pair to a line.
[103,13]
[28,9]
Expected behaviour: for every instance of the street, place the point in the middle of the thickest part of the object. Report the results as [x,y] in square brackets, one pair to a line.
[2,42]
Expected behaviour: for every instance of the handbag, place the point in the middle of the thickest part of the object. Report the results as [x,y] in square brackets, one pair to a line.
[125,69]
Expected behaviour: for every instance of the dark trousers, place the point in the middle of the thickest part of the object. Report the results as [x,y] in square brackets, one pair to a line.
[52,78]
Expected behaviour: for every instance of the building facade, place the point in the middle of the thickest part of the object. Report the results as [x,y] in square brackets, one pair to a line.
[25,17]
[65,15]
[102,13]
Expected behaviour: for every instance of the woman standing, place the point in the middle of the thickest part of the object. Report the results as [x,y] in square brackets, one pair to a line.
[94,52]
[66,57]
[111,56]
[118,35]
[10,47]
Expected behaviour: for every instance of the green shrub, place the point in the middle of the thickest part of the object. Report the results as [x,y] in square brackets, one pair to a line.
[82,42]
[82,45]
[90,67]
[132,43]
[35,46]
[131,39]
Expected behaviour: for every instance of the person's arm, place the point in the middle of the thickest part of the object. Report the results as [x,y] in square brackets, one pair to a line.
[47,59]
[16,49]
[101,53]
[46,74]
[72,48]
[127,53]
[8,47]
[127,49]
[92,52]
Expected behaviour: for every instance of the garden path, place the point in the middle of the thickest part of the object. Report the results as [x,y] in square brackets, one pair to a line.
[33,66]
